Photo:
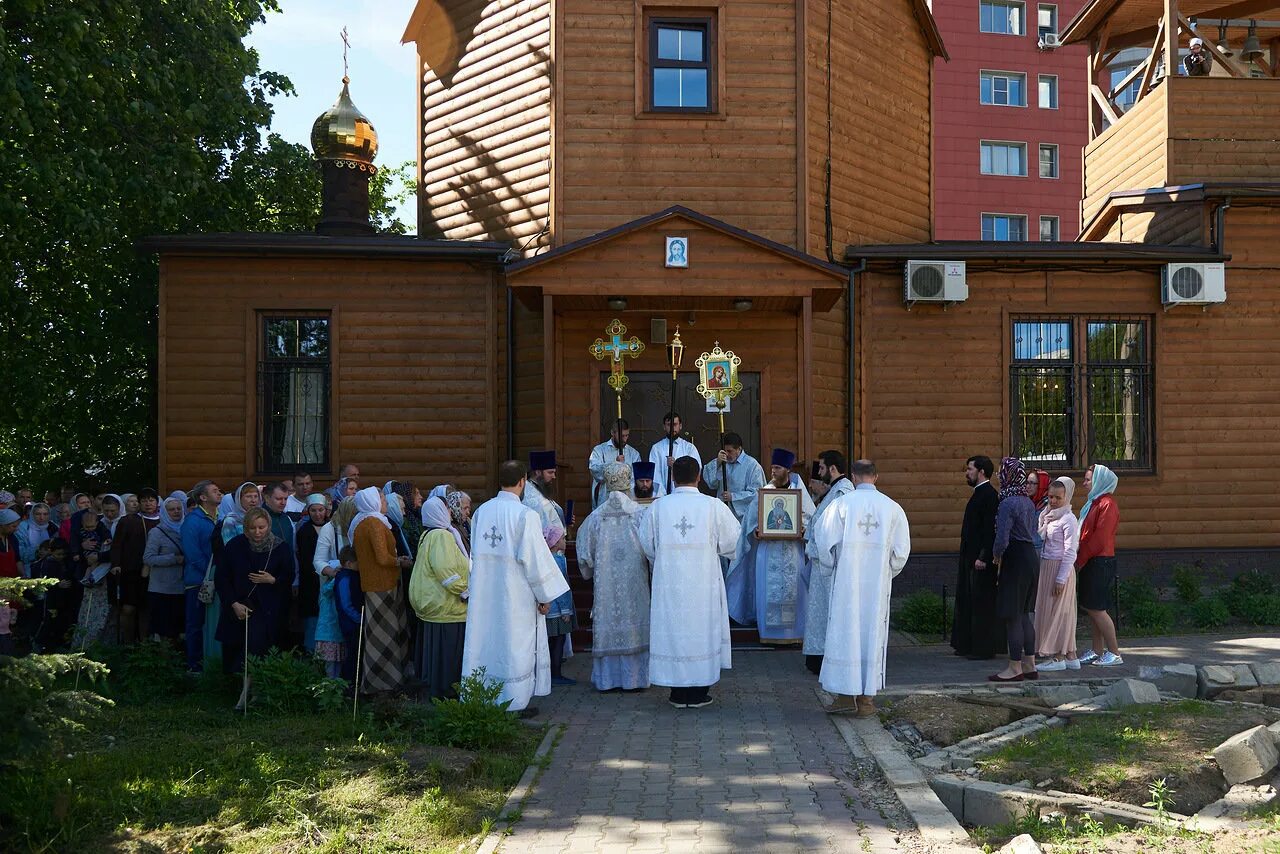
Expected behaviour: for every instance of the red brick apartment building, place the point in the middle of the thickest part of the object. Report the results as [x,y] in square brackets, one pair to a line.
[1009,121]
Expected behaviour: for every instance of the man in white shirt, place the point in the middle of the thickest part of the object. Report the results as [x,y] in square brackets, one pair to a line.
[615,450]
[667,450]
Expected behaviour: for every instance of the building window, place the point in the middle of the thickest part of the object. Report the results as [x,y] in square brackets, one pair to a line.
[294,371]
[1004,88]
[1048,91]
[1048,228]
[1073,405]
[1047,20]
[1048,160]
[681,70]
[997,226]
[1006,17]
[1004,158]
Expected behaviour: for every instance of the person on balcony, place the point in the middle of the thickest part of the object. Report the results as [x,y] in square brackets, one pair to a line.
[1198,62]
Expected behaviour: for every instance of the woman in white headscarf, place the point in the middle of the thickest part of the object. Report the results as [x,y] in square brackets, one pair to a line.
[437,592]
[165,561]
[1055,617]
[385,650]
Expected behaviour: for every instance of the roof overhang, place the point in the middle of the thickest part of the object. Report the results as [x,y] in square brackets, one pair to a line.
[1133,22]
[1029,256]
[567,270]
[929,28]
[316,245]
[1151,198]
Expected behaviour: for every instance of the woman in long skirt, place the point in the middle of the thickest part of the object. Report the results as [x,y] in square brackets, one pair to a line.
[384,621]
[1056,595]
[1015,554]
[441,577]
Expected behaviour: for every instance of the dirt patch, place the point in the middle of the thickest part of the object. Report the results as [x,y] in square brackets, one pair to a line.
[943,720]
[1120,756]
[1268,696]
[1243,841]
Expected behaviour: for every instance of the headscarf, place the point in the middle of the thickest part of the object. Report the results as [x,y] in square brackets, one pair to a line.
[235,513]
[617,477]
[340,489]
[119,516]
[553,534]
[369,505]
[460,522]
[167,523]
[1104,483]
[442,491]
[225,506]
[395,507]
[1050,514]
[342,516]
[37,533]
[436,516]
[1013,478]
[1040,497]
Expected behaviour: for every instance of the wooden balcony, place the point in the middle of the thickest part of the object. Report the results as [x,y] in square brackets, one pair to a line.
[1187,130]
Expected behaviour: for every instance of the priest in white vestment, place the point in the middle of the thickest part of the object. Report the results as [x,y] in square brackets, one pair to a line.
[616,450]
[609,553]
[742,476]
[684,535]
[832,468]
[863,540]
[768,581]
[513,582]
[671,446]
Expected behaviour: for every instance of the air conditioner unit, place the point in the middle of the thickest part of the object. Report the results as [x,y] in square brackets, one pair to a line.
[934,281]
[1048,40]
[1193,284]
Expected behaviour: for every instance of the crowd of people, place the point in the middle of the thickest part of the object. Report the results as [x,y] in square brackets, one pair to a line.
[389,590]
[374,578]
[1027,563]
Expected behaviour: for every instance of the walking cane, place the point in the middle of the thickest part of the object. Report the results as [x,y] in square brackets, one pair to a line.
[244,690]
[355,689]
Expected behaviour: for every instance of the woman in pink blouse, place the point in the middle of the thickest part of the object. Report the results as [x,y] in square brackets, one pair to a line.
[1055,619]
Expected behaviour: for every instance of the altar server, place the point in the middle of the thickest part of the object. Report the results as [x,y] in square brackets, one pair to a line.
[514,579]
[862,540]
[684,535]
[671,447]
[616,450]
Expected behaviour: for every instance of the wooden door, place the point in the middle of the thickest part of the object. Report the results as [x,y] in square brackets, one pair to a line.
[648,397]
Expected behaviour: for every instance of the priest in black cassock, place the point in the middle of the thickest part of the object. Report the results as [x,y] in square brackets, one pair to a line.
[977,633]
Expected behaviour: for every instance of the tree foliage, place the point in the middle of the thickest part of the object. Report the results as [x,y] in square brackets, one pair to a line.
[121,119]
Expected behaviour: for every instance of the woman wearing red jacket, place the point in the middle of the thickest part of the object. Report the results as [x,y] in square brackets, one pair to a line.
[1096,564]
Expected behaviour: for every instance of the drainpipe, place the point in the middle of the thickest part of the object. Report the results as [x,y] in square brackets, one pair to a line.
[1219,226]
[511,376]
[851,407]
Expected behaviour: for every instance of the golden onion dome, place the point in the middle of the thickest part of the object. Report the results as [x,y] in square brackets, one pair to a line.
[343,133]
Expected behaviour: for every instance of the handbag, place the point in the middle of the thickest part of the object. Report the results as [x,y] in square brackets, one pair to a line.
[205,593]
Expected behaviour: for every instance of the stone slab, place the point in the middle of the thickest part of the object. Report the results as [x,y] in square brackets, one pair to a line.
[950,790]
[1213,679]
[1056,695]
[1267,673]
[1132,692]
[1248,755]
[1233,807]
[1177,679]
[1023,844]
[987,804]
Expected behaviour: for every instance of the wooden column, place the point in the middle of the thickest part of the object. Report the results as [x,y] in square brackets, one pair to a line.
[1170,38]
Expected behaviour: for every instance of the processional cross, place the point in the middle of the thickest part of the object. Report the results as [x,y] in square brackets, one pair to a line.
[493,537]
[868,522]
[617,348]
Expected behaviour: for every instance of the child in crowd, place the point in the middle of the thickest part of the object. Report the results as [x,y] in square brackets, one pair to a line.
[331,647]
[90,556]
[349,602]
[57,609]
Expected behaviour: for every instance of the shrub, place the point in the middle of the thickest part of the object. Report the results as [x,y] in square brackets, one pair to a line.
[286,683]
[1134,592]
[1149,616]
[40,709]
[920,613]
[145,671]
[1261,609]
[1253,582]
[1210,613]
[476,720]
[1186,583]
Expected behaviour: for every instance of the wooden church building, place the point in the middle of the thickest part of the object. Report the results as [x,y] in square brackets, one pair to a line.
[786,147]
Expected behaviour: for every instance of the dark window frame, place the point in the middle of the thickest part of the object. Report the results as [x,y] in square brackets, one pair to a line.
[269,458]
[1082,379]
[704,23]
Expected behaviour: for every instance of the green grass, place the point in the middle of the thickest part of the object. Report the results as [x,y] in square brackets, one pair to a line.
[186,773]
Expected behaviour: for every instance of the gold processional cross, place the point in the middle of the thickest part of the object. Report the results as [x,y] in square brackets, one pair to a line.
[617,348]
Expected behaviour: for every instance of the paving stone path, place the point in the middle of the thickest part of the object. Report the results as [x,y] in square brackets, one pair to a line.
[763,769]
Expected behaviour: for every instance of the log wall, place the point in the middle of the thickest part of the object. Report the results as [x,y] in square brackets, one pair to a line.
[938,392]
[1131,154]
[485,152]
[417,362]
[1223,129]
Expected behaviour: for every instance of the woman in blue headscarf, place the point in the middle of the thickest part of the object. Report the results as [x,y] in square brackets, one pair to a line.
[1096,564]
[164,562]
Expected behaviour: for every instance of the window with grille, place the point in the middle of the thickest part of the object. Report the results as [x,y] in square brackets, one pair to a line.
[1081,392]
[294,376]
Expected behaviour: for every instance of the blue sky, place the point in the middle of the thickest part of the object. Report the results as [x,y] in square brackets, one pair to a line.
[303,43]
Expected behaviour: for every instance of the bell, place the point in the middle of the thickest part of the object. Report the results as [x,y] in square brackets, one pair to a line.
[1252,47]
[1222,39]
